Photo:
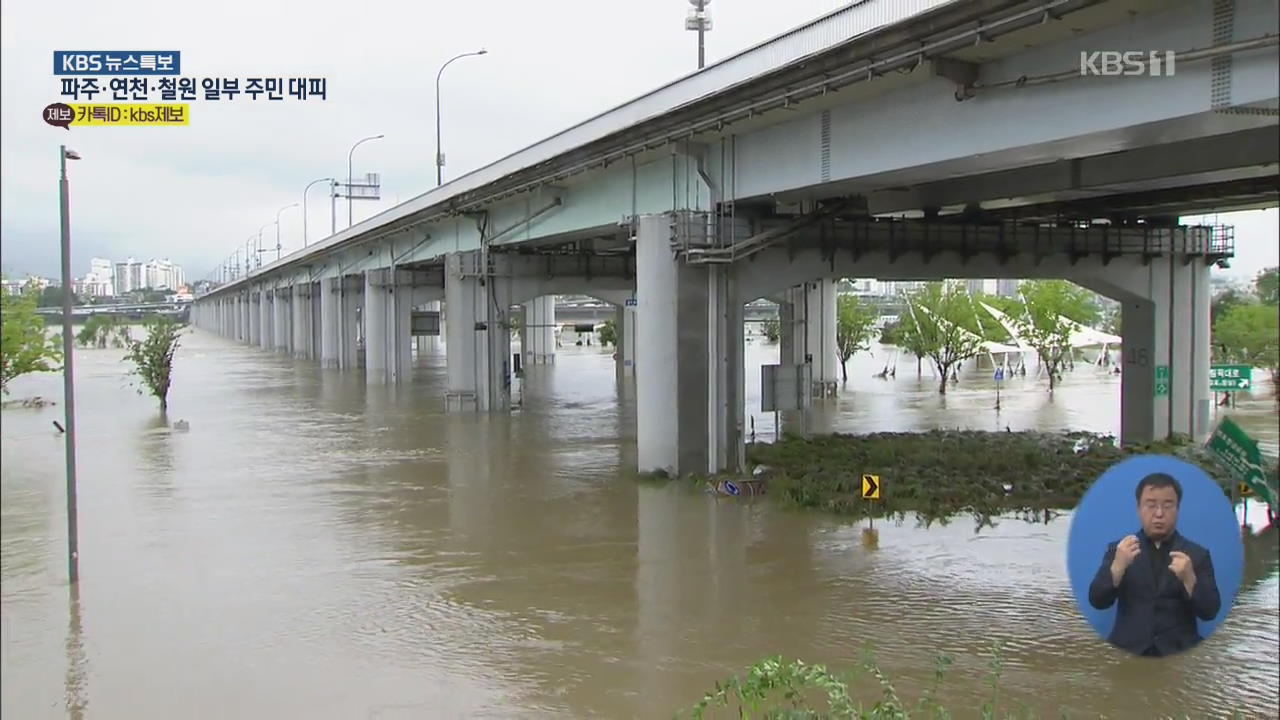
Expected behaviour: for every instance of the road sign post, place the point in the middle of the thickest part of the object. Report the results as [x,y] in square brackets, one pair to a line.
[1233,447]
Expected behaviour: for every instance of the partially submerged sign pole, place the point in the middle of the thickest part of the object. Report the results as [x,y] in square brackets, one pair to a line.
[1233,447]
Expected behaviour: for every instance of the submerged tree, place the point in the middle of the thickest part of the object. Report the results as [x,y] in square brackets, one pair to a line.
[609,333]
[772,328]
[855,325]
[101,329]
[1043,320]
[152,356]
[940,325]
[25,348]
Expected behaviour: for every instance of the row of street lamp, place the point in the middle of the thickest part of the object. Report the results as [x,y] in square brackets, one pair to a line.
[698,20]
[231,267]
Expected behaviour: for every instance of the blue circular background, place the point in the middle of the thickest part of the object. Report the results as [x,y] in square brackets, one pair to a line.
[1108,511]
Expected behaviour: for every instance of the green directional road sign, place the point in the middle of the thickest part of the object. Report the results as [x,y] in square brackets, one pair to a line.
[1239,452]
[1227,378]
[1162,380]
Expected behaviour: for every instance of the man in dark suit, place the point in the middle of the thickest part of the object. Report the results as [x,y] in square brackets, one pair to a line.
[1162,580]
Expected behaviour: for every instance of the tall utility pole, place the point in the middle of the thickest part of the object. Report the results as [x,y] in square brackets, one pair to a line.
[350,155]
[700,20]
[439,147]
[304,205]
[68,375]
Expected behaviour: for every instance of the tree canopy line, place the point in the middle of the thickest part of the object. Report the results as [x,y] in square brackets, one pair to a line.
[946,325]
[28,347]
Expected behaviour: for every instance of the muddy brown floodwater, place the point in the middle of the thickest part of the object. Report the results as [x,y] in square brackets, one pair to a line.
[315,548]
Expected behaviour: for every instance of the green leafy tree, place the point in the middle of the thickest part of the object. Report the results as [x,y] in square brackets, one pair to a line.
[942,327]
[1040,321]
[24,347]
[152,356]
[855,326]
[1267,286]
[609,333]
[1222,303]
[1250,335]
[51,296]
[100,330]
[772,328]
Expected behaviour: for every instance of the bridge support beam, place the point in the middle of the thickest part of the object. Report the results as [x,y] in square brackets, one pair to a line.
[430,344]
[689,400]
[387,305]
[538,334]
[330,301]
[299,306]
[1165,377]
[254,316]
[478,344]
[350,298]
[264,318]
[807,334]
[280,320]
[246,322]
[625,320]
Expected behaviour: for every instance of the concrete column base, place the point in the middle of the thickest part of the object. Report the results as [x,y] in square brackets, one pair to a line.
[689,392]
[478,340]
[538,334]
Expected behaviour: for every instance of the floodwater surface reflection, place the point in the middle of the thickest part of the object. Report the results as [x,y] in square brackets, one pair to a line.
[314,547]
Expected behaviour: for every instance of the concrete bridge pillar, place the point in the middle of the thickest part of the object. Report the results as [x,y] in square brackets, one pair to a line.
[245,317]
[330,301]
[375,327]
[280,320]
[430,344]
[1164,382]
[538,335]
[300,305]
[350,298]
[264,318]
[255,317]
[1189,397]
[689,401]
[387,351]
[807,324]
[478,344]
[625,319]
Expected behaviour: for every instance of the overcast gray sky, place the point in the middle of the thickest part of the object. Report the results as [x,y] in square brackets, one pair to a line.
[193,193]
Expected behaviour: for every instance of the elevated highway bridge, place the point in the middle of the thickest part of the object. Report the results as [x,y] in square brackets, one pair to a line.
[899,140]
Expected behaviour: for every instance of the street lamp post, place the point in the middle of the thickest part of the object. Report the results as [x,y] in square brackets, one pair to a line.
[68,381]
[349,156]
[304,205]
[260,250]
[439,147]
[700,20]
[286,207]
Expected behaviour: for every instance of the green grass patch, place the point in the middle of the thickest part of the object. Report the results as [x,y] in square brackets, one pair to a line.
[943,473]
